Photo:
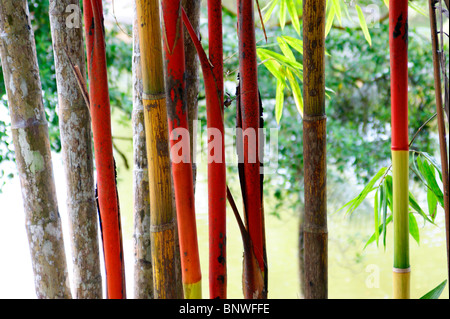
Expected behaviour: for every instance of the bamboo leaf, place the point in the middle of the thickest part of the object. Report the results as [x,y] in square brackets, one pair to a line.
[414,205]
[418,9]
[384,203]
[376,215]
[282,14]
[430,178]
[413,228]
[362,22]
[279,101]
[436,292]
[271,64]
[330,18]
[389,201]
[285,49]
[433,162]
[366,190]
[432,202]
[270,7]
[294,65]
[295,43]
[294,15]
[380,228]
[296,92]
[337,8]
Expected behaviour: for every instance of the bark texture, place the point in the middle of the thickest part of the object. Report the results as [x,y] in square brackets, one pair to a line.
[162,217]
[108,201]
[175,83]
[143,270]
[441,121]
[75,127]
[314,150]
[192,9]
[31,143]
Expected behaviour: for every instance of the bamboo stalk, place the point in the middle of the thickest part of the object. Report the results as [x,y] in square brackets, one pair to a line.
[314,150]
[108,201]
[250,112]
[32,150]
[75,127]
[143,268]
[398,42]
[216,170]
[173,39]
[192,8]
[441,121]
[162,223]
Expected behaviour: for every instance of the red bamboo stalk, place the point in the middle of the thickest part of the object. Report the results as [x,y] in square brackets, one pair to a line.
[249,102]
[178,126]
[101,128]
[216,170]
[398,43]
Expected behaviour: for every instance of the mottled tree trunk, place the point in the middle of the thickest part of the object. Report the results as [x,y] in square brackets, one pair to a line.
[75,127]
[143,270]
[31,143]
[314,150]
[192,8]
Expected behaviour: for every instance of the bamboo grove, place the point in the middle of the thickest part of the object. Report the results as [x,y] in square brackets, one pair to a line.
[167,55]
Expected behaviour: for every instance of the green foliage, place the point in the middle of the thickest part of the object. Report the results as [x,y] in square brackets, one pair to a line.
[425,166]
[119,57]
[436,292]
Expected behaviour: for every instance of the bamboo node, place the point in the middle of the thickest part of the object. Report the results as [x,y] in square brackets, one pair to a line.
[162,227]
[153,97]
[401,270]
[314,118]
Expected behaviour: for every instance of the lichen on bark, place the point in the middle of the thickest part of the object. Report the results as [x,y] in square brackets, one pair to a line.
[32,150]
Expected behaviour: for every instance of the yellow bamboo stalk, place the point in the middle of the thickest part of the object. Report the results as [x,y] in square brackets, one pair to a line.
[162,223]
[401,271]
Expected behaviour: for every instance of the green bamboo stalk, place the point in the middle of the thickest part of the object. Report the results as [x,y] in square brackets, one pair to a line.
[402,271]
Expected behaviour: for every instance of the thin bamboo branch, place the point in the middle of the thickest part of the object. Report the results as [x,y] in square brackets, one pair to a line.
[441,121]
